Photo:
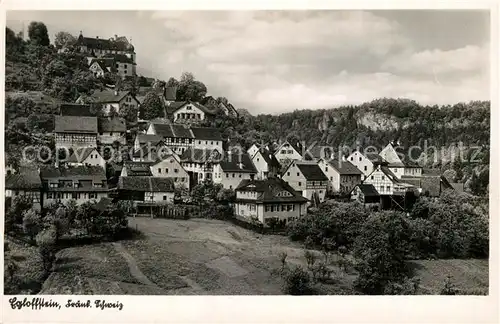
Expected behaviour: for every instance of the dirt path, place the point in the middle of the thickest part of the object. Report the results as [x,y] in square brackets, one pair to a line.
[133,267]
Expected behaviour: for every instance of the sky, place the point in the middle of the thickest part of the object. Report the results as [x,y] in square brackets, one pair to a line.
[279,61]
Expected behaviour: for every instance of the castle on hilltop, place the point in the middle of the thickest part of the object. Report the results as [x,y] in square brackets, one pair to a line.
[108,55]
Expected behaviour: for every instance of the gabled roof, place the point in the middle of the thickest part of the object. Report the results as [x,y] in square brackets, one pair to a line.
[368,190]
[73,109]
[271,190]
[75,124]
[149,138]
[311,171]
[206,133]
[179,105]
[79,172]
[173,130]
[137,169]
[200,155]
[146,184]
[389,174]
[115,124]
[268,157]
[82,153]
[344,167]
[108,95]
[25,179]
[118,44]
[237,163]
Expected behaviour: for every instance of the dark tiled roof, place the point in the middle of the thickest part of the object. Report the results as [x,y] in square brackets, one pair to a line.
[82,153]
[171,93]
[75,124]
[206,133]
[389,174]
[119,58]
[312,172]
[107,95]
[120,44]
[179,105]
[238,163]
[146,184]
[344,167]
[375,158]
[106,64]
[72,109]
[79,172]
[269,157]
[200,155]
[173,130]
[137,169]
[368,190]
[270,190]
[149,138]
[115,124]
[172,107]
[25,179]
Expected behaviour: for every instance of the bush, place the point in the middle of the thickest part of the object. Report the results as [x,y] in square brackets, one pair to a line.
[297,282]
[406,287]
[46,242]
[449,288]
[32,223]
[60,221]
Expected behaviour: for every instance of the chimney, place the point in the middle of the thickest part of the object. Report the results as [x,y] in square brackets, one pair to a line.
[116,37]
[116,92]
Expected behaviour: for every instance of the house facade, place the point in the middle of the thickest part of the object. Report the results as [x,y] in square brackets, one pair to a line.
[266,199]
[112,100]
[342,175]
[86,157]
[386,182]
[75,132]
[189,111]
[199,164]
[400,165]
[287,151]
[26,183]
[170,167]
[266,164]
[149,190]
[177,137]
[97,47]
[362,162]
[233,169]
[307,178]
[81,184]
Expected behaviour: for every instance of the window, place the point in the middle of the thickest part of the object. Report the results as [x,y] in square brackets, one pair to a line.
[240,175]
[331,178]
[283,208]
[199,142]
[383,178]
[372,177]
[395,170]
[288,173]
[230,187]
[125,66]
[360,158]
[75,195]
[366,168]
[49,195]
[300,184]
[233,175]
[326,169]
[164,197]
[92,195]
[298,174]
[388,188]
[166,170]
[176,170]
[352,159]
[283,151]
[257,159]
[321,191]
[159,170]
[227,175]
[212,143]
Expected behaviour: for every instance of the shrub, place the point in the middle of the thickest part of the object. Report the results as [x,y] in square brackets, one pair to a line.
[31,223]
[408,286]
[46,242]
[449,287]
[297,282]
[60,221]
[20,204]
[310,259]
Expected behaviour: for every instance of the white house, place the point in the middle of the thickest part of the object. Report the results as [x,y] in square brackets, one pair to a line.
[266,199]
[253,149]
[364,162]
[307,178]
[151,140]
[112,100]
[189,111]
[343,176]
[88,156]
[287,151]
[386,182]
[75,132]
[266,164]
[81,184]
[178,137]
[400,165]
[170,167]
[233,169]
[207,138]
[199,163]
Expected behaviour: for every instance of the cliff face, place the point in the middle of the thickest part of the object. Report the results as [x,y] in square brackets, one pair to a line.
[380,122]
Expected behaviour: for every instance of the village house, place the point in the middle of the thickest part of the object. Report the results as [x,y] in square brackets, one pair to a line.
[151,140]
[253,149]
[148,190]
[365,162]
[288,152]
[99,67]
[86,156]
[81,184]
[365,194]
[342,175]
[189,112]
[266,164]
[136,169]
[267,199]
[26,183]
[170,167]
[400,165]
[123,65]
[153,152]
[111,130]
[233,168]
[207,138]
[308,179]
[178,137]
[199,163]
[112,100]
[386,182]
[75,131]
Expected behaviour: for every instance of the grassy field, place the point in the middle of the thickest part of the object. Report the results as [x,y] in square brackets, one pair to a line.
[210,257]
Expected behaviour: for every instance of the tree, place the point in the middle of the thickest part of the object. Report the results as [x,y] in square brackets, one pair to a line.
[46,242]
[190,89]
[31,223]
[64,40]
[449,288]
[381,251]
[297,282]
[38,34]
[152,107]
